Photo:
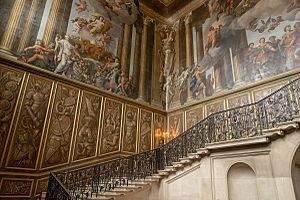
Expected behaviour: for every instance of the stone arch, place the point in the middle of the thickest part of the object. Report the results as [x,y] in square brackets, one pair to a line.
[295,172]
[241,182]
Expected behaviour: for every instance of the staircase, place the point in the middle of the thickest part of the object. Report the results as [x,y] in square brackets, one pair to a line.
[264,121]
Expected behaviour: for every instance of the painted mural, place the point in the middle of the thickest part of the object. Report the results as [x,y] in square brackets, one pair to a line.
[244,42]
[86,49]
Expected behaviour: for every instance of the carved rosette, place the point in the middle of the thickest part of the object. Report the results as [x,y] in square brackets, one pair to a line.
[88,125]
[194,116]
[10,83]
[159,124]
[30,125]
[111,128]
[130,129]
[145,130]
[60,130]
[11,187]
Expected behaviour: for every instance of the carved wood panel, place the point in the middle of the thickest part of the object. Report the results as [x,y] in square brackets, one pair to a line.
[88,127]
[30,125]
[10,84]
[194,116]
[159,127]
[175,125]
[130,129]
[145,130]
[111,129]
[59,136]
[14,187]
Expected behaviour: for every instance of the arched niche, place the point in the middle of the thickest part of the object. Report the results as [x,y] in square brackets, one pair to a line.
[241,180]
[296,173]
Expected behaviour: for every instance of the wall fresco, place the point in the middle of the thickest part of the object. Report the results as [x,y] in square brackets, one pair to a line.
[61,126]
[145,130]
[88,127]
[79,39]
[10,83]
[28,134]
[130,129]
[111,129]
[242,42]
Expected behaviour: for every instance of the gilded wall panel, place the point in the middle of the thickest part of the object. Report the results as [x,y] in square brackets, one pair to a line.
[10,84]
[145,130]
[41,186]
[16,187]
[159,127]
[27,138]
[215,107]
[263,92]
[61,126]
[194,116]
[175,125]
[88,127]
[130,129]
[111,129]
[238,101]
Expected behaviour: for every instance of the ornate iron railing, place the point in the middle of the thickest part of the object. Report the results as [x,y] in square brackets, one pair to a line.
[241,122]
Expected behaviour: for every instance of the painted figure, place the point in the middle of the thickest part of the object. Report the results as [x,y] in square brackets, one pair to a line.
[81,6]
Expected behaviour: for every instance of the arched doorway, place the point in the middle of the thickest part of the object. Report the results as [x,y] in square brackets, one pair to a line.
[241,180]
[296,173]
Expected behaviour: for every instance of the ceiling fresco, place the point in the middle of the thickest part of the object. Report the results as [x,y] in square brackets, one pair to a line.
[165,8]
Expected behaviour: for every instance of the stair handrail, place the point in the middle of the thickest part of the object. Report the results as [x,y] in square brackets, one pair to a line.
[244,121]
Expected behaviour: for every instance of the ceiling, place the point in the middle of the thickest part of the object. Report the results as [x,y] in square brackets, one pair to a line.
[165,8]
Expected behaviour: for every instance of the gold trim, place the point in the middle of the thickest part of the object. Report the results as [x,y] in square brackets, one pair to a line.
[123,135]
[151,127]
[48,124]
[16,126]
[176,114]
[16,113]
[77,125]
[121,125]
[72,132]
[17,179]
[37,184]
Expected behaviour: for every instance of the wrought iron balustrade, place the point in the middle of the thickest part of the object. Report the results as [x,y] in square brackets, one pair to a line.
[241,122]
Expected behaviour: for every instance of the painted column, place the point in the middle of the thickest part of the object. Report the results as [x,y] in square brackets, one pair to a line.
[12,25]
[120,43]
[58,20]
[188,41]
[32,24]
[126,49]
[227,71]
[200,48]
[137,56]
[142,84]
[218,77]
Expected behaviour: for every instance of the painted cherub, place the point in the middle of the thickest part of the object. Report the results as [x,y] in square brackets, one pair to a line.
[81,6]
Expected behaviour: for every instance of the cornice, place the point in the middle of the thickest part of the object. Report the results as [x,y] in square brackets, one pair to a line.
[176,16]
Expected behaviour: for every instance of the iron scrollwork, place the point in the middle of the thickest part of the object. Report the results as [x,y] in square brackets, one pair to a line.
[237,123]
